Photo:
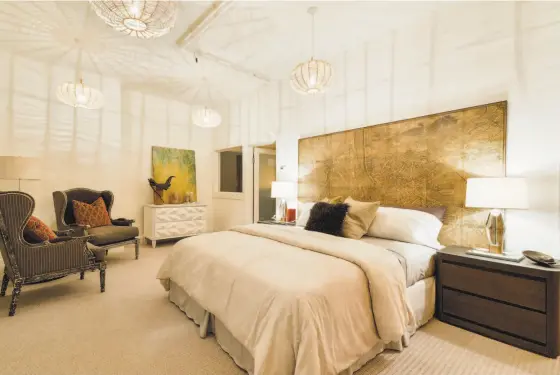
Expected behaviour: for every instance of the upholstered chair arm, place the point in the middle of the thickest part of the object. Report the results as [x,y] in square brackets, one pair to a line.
[65,233]
[122,222]
[47,258]
[60,239]
[78,230]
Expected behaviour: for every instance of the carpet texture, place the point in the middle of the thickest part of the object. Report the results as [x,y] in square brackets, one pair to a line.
[66,327]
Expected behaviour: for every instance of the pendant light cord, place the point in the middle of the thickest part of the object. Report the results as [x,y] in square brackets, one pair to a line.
[79,66]
[81,49]
[312,35]
[208,91]
[204,83]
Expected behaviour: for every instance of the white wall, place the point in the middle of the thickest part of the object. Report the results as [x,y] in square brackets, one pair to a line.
[465,54]
[148,121]
[100,149]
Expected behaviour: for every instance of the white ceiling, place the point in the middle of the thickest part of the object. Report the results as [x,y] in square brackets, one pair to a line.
[248,44]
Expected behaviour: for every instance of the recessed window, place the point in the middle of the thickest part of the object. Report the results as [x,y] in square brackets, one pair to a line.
[231,171]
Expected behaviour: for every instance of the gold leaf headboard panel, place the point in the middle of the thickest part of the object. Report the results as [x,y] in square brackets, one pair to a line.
[420,162]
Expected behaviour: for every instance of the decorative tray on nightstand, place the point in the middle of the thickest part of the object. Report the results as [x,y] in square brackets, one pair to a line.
[510,257]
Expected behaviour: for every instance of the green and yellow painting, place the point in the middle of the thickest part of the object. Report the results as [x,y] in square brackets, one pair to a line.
[179,163]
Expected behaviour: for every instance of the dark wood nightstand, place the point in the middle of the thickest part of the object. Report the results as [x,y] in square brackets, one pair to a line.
[291,223]
[516,303]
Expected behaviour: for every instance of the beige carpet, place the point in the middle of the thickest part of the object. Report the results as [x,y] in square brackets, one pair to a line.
[67,327]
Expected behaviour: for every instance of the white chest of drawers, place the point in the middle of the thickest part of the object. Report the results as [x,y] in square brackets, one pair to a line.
[173,221]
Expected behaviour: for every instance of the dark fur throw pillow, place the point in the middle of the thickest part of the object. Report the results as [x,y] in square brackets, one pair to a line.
[327,218]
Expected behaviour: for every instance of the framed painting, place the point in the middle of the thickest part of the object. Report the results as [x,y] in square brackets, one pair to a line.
[167,162]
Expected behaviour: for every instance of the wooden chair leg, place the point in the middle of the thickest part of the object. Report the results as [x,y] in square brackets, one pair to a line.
[137,248]
[15,296]
[102,277]
[82,275]
[5,281]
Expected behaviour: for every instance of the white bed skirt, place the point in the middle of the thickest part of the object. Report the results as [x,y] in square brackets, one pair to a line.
[422,298]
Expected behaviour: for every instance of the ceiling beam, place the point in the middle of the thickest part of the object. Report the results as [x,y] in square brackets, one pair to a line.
[199,26]
[202,22]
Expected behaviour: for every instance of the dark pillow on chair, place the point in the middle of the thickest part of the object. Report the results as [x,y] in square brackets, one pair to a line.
[327,218]
[30,237]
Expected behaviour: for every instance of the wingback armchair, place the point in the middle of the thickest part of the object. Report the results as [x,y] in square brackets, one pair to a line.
[26,263]
[119,233]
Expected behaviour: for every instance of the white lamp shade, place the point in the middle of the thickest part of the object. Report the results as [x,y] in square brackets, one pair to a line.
[19,168]
[497,193]
[283,189]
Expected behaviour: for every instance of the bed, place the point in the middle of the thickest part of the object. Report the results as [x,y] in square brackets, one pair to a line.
[285,301]
[282,300]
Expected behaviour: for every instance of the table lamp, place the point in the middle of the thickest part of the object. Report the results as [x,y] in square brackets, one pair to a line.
[283,190]
[496,193]
[19,168]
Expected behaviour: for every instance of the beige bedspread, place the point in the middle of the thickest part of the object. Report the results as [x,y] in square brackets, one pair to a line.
[301,302]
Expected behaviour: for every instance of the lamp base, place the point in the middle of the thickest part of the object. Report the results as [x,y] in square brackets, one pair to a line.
[282,210]
[495,230]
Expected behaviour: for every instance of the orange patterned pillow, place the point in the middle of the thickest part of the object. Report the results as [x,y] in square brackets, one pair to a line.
[94,215]
[38,231]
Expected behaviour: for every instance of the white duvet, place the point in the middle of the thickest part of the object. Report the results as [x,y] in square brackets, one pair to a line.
[301,302]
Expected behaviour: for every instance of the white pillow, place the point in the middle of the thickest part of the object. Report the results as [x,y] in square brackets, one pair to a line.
[404,225]
[304,213]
